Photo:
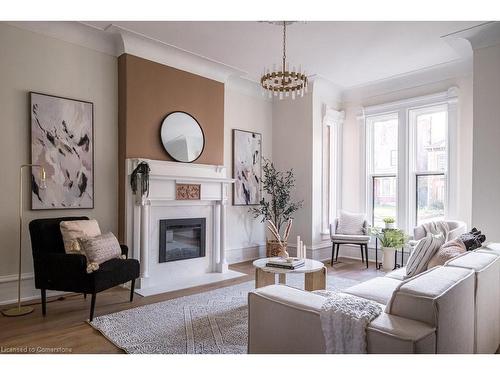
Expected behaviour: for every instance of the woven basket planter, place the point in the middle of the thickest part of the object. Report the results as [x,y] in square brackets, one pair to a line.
[273,248]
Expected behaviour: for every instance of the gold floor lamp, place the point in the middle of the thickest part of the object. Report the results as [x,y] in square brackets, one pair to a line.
[23,310]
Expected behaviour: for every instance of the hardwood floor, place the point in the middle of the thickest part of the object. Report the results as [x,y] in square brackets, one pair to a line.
[65,325]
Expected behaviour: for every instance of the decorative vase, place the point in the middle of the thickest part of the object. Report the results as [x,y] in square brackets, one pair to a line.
[389,225]
[274,249]
[388,261]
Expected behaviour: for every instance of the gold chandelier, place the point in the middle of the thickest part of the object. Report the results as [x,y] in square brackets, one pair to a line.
[283,82]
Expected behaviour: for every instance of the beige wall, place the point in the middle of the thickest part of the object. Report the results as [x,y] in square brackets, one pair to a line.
[486,172]
[31,62]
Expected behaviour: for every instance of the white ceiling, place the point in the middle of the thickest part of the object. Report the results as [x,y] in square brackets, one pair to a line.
[346,53]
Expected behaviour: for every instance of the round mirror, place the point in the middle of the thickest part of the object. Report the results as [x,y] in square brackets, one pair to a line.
[182,137]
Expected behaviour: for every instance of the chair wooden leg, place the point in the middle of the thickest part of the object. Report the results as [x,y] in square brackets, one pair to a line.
[92,306]
[132,287]
[366,254]
[333,253]
[43,293]
[337,255]
[362,253]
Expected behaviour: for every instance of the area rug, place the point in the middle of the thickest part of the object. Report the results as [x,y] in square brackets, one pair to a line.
[210,322]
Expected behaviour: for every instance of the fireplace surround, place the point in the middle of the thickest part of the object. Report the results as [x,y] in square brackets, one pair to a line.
[166,267]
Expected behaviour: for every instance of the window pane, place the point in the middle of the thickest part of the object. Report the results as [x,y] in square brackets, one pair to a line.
[430,197]
[384,199]
[385,144]
[431,131]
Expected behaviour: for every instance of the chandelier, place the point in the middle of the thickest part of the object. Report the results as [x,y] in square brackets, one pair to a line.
[283,82]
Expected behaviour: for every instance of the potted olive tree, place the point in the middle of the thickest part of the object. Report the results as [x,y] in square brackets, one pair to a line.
[277,207]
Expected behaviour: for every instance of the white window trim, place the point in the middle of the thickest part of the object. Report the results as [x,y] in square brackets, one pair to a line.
[332,124]
[406,219]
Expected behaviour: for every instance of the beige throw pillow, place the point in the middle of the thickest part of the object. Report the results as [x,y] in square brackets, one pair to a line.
[448,251]
[100,249]
[74,229]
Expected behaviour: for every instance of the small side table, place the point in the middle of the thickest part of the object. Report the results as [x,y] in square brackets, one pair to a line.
[314,274]
[397,265]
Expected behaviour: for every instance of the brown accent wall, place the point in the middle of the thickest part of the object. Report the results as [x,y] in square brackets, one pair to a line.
[147,92]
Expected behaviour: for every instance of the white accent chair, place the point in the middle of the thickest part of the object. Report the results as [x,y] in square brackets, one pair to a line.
[349,239]
[456,228]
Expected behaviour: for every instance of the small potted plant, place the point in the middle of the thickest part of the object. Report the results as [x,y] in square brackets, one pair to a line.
[277,207]
[389,222]
[390,240]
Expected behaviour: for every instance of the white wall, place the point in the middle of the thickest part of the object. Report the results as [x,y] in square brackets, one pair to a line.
[245,109]
[31,62]
[293,149]
[486,172]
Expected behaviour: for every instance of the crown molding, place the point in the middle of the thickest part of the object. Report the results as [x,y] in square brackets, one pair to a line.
[422,77]
[481,36]
[72,32]
[115,40]
[140,45]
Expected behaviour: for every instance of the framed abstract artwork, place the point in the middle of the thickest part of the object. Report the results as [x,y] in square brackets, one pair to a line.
[62,142]
[247,167]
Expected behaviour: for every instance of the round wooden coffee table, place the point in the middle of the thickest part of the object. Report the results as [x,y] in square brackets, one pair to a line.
[314,274]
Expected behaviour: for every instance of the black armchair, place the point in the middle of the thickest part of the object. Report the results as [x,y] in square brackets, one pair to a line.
[56,270]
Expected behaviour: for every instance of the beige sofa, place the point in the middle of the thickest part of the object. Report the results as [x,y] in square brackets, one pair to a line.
[447,309]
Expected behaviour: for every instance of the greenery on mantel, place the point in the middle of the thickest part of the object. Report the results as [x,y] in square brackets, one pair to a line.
[278,206]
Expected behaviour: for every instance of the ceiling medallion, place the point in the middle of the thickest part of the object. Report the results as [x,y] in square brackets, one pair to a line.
[283,82]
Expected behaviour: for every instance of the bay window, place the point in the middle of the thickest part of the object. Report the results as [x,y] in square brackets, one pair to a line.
[409,162]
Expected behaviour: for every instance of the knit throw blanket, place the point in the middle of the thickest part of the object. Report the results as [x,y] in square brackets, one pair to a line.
[436,227]
[344,319]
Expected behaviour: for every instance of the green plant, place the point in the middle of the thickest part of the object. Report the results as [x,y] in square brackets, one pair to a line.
[390,237]
[389,220]
[278,206]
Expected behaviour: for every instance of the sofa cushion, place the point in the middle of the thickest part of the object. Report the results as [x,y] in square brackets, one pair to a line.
[442,297]
[379,289]
[487,309]
[398,274]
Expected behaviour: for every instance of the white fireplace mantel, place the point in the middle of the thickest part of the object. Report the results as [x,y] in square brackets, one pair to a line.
[143,213]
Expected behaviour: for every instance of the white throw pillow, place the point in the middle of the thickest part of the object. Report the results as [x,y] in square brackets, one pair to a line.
[73,230]
[349,223]
[423,253]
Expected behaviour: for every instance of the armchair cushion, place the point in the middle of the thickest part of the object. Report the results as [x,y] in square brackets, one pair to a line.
[351,239]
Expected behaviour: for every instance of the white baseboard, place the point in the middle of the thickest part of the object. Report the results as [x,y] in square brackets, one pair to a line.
[8,289]
[245,254]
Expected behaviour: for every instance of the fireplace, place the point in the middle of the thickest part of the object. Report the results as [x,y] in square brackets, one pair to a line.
[181,239]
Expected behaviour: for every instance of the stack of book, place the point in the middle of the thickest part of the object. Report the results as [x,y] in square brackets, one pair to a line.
[286,263]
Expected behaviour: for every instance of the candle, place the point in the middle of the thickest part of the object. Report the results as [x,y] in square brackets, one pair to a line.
[298,246]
